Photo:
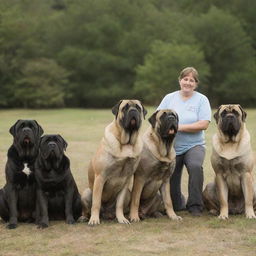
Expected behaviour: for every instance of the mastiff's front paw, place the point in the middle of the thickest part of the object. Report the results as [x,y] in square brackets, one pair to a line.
[249,213]
[134,218]
[123,220]
[70,220]
[175,217]
[94,221]
[223,217]
[42,226]
[11,226]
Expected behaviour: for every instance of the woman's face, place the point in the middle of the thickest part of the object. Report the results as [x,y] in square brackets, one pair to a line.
[188,84]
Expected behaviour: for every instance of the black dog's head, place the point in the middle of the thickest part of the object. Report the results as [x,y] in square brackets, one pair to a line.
[165,123]
[129,114]
[229,119]
[52,149]
[26,134]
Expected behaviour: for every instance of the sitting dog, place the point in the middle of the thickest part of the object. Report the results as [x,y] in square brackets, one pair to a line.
[232,160]
[17,198]
[155,168]
[111,169]
[57,194]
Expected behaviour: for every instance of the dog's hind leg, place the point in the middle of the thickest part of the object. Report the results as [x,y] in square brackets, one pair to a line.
[254,197]
[77,208]
[4,212]
[86,205]
[210,199]
[153,208]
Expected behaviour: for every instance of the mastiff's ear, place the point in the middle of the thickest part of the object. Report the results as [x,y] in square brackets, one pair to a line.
[12,129]
[177,117]
[244,114]
[63,142]
[144,111]
[39,128]
[40,140]
[116,108]
[152,119]
[216,115]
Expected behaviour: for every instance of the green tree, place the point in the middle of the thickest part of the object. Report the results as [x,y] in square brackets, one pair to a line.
[41,85]
[101,43]
[159,74]
[229,53]
[22,33]
[104,47]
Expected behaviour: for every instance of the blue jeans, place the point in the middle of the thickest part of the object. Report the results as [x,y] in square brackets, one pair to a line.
[193,160]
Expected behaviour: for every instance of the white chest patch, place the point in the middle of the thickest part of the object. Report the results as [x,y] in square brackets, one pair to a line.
[26,170]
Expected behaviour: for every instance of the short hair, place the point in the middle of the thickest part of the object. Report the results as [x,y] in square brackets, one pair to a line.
[187,71]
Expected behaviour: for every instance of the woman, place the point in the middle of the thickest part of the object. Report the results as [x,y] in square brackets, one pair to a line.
[194,113]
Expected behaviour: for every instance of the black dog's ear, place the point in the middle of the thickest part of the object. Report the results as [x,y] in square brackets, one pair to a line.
[244,114]
[144,111]
[40,140]
[116,108]
[39,128]
[216,115]
[12,129]
[64,143]
[152,119]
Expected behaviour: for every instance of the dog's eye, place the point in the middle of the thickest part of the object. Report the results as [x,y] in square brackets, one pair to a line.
[31,126]
[223,113]
[138,107]
[53,139]
[47,139]
[126,107]
[235,112]
[57,139]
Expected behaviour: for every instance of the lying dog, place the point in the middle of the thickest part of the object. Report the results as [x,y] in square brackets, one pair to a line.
[111,169]
[155,168]
[17,198]
[232,160]
[57,194]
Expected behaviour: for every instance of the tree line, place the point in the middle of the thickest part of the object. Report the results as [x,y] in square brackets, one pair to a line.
[91,53]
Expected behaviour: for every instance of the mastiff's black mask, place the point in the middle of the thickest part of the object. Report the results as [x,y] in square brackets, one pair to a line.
[26,134]
[229,119]
[51,150]
[129,113]
[165,122]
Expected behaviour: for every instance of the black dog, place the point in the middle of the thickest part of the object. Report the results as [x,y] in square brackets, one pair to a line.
[57,194]
[17,198]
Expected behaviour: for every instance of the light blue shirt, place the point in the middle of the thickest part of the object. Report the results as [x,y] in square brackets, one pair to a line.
[194,109]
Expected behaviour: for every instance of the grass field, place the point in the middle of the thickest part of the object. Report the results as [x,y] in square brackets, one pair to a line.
[83,130]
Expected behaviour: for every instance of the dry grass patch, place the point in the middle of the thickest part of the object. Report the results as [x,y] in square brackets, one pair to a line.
[83,130]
